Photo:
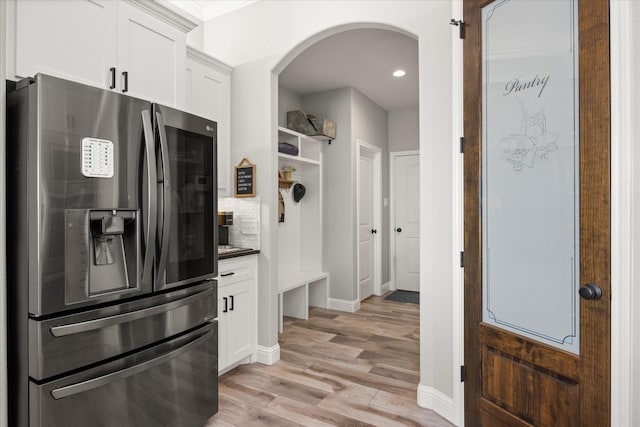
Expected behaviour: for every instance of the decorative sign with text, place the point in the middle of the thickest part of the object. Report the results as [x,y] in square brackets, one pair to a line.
[245,179]
[530,170]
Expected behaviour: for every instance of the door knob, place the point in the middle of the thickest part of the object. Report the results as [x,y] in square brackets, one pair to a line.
[374,231]
[590,291]
[399,230]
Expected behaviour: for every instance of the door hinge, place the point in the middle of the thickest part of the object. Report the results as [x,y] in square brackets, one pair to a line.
[460,24]
[461,259]
[463,373]
[462,144]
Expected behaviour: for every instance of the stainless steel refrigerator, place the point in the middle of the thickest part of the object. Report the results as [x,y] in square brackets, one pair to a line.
[111,259]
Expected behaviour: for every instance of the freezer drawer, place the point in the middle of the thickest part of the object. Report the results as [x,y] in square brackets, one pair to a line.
[70,342]
[173,384]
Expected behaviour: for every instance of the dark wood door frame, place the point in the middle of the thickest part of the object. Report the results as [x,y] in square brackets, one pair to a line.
[592,370]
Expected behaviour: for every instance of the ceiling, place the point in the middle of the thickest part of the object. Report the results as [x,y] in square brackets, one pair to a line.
[363,59]
[208,9]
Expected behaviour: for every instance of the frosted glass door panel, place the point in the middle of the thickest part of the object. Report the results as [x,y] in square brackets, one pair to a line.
[530,172]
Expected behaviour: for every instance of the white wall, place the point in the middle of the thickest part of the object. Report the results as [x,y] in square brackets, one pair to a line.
[634,90]
[625,211]
[369,124]
[287,101]
[404,130]
[265,37]
[253,136]
[338,186]
[356,117]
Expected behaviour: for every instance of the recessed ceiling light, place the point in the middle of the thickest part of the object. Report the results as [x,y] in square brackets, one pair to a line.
[399,73]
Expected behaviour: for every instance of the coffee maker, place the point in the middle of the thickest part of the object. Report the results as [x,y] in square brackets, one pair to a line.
[225,219]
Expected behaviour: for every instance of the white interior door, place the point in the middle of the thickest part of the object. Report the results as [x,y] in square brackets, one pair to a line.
[366,224]
[407,222]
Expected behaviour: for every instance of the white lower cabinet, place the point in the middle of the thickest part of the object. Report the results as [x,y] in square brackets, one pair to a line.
[237,306]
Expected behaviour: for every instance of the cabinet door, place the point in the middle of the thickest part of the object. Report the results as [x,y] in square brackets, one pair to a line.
[190,85]
[207,93]
[153,54]
[72,39]
[214,102]
[222,331]
[240,320]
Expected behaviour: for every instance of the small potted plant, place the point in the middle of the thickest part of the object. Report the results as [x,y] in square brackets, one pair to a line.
[287,171]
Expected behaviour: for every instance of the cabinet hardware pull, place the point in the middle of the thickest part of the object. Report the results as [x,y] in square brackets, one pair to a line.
[227,274]
[113,77]
[225,305]
[231,309]
[126,81]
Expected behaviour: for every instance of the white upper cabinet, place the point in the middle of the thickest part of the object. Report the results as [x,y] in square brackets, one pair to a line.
[135,47]
[72,39]
[208,94]
[152,54]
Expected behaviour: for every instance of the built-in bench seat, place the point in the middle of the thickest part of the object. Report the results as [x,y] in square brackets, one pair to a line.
[300,289]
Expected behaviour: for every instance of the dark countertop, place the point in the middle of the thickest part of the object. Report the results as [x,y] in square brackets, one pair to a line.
[238,254]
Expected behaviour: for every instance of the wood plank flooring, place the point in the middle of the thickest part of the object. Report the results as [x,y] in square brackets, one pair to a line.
[335,369]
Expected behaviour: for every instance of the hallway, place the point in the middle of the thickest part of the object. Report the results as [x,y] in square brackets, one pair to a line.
[337,368]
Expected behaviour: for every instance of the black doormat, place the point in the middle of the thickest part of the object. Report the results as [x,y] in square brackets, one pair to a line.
[404,296]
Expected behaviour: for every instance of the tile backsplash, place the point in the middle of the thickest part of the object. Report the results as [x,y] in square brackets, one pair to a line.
[246,220]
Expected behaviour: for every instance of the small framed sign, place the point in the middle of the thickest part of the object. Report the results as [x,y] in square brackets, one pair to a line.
[245,178]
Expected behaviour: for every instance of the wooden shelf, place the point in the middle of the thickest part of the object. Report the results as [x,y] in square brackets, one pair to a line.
[283,183]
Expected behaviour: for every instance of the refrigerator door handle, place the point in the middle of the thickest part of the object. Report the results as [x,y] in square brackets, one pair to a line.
[87,385]
[152,208]
[166,171]
[76,328]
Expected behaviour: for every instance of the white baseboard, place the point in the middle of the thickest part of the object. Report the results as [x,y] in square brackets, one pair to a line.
[268,355]
[430,398]
[386,287]
[344,305]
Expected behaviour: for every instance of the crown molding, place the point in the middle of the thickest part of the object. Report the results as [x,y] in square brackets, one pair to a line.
[164,11]
[207,60]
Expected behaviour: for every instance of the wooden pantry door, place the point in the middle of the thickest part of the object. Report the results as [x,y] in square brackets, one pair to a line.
[537,213]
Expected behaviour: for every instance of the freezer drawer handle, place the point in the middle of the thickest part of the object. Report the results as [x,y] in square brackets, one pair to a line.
[76,328]
[83,386]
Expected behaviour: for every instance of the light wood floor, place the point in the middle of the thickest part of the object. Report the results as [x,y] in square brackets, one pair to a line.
[336,369]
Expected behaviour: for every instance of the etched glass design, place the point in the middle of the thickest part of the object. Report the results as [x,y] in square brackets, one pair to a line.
[530,172]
